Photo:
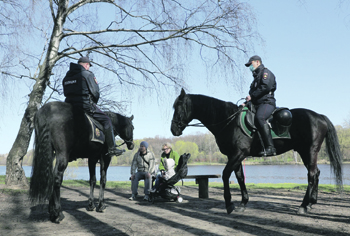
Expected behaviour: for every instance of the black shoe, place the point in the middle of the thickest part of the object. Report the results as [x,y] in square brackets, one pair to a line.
[115,152]
[270,151]
[267,140]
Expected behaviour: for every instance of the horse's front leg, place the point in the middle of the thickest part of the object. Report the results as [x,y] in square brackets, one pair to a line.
[225,178]
[92,170]
[104,161]
[245,198]
[56,215]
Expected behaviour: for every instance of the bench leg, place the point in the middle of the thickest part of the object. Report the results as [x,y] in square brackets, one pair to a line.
[202,187]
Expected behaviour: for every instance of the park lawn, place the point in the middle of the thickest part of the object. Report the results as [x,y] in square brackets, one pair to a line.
[127,185]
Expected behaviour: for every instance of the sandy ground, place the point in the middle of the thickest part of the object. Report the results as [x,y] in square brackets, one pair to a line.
[269,212]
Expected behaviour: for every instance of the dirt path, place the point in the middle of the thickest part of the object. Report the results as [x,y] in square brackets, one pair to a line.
[269,212]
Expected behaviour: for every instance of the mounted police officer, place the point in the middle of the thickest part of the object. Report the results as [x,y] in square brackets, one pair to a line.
[261,94]
[81,89]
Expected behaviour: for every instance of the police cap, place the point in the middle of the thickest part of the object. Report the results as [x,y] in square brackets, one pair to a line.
[253,58]
[84,60]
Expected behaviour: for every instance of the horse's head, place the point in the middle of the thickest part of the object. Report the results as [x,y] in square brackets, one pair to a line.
[182,113]
[125,130]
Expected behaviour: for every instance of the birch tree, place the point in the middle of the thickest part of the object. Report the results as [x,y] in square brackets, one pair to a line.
[140,45]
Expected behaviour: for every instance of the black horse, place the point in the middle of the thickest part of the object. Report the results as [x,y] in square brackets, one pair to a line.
[308,130]
[63,133]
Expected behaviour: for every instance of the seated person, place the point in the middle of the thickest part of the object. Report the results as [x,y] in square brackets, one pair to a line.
[168,153]
[167,174]
[169,165]
[144,164]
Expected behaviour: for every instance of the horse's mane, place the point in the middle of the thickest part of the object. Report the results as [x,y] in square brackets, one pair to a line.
[212,105]
[115,117]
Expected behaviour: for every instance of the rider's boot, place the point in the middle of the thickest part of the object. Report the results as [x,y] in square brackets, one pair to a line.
[112,149]
[268,142]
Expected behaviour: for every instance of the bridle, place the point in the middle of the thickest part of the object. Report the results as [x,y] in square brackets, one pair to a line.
[128,142]
[229,119]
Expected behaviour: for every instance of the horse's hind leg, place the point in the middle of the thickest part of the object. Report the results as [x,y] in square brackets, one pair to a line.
[311,194]
[104,161]
[92,170]
[55,211]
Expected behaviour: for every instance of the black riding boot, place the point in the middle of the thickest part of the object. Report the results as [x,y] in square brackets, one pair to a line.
[268,143]
[110,141]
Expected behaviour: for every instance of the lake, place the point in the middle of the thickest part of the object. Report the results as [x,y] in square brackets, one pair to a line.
[254,173]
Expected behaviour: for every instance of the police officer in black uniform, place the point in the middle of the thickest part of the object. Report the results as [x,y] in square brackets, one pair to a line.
[261,94]
[81,89]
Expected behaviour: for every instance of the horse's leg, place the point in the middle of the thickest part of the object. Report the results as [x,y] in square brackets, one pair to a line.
[55,212]
[313,179]
[92,170]
[104,161]
[245,198]
[225,178]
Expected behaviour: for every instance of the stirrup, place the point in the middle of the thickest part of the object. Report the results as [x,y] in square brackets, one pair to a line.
[270,151]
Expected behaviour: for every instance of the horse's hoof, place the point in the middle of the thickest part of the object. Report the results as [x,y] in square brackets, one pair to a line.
[230,208]
[240,209]
[57,219]
[90,208]
[101,208]
[309,207]
[302,210]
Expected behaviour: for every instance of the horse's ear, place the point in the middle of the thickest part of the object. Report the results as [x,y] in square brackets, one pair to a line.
[183,93]
[132,117]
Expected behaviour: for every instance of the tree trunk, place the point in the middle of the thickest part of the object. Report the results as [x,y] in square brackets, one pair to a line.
[295,155]
[14,172]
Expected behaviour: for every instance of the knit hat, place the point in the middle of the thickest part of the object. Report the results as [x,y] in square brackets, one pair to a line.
[144,143]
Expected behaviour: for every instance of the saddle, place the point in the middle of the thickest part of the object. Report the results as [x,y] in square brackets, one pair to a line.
[279,122]
[96,130]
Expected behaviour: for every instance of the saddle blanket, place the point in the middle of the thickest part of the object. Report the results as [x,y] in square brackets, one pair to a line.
[97,134]
[249,130]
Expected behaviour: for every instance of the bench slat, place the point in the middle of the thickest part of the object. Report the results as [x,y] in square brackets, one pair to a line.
[201,176]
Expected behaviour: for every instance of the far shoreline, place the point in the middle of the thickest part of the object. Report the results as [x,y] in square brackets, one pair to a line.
[244,163]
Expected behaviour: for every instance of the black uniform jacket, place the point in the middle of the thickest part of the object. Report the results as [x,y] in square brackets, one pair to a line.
[263,87]
[80,87]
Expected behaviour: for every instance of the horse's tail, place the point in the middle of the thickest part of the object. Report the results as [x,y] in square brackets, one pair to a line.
[41,183]
[334,153]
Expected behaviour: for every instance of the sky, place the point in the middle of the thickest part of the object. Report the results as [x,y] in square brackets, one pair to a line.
[306,47]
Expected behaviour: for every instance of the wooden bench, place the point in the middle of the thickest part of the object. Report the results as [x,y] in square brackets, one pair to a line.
[202,181]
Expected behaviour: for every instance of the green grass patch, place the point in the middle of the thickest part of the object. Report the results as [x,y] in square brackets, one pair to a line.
[127,185]
[289,186]
[13,192]
[110,184]
[2,179]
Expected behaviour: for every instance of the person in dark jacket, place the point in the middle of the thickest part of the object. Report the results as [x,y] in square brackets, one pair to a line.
[262,96]
[81,89]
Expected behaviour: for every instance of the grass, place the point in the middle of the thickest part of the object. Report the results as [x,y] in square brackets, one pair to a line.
[127,185]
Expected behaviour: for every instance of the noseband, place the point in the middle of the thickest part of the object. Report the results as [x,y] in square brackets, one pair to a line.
[128,142]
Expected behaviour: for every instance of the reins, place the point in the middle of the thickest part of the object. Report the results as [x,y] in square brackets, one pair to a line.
[230,119]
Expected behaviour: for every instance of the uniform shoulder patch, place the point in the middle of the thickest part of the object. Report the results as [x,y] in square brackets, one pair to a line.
[265,75]
[95,80]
